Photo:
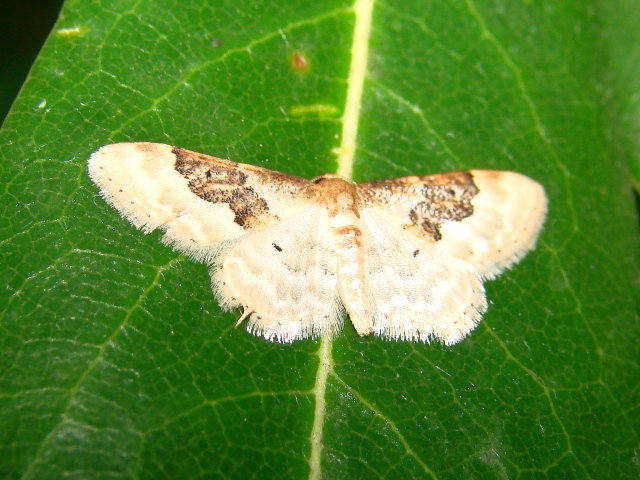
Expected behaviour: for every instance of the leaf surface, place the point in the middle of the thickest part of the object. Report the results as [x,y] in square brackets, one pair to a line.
[116,360]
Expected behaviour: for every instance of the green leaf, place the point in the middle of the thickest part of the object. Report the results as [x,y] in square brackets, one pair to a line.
[116,360]
[622,22]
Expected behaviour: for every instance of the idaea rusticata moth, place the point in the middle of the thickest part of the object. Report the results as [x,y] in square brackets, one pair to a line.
[405,257]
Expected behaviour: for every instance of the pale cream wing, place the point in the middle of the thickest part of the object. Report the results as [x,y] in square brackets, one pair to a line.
[417,292]
[198,200]
[490,219]
[285,277]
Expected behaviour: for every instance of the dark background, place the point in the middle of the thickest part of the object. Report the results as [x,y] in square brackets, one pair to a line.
[24,27]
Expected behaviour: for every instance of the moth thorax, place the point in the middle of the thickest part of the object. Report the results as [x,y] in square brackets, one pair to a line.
[337,193]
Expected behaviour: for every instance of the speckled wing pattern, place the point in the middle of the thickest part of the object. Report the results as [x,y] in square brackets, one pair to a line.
[431,240]
[404,257]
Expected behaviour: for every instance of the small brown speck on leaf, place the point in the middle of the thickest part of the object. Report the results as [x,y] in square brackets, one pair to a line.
[299,62]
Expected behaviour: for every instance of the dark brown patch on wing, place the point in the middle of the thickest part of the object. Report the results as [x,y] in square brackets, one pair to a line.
[434,199]
[447,197]
[225,171]
[222,181]
[202,170]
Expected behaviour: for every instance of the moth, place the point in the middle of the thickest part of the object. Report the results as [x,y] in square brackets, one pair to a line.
[405,258]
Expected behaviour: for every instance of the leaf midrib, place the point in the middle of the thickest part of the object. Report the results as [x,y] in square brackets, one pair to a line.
[362,10]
